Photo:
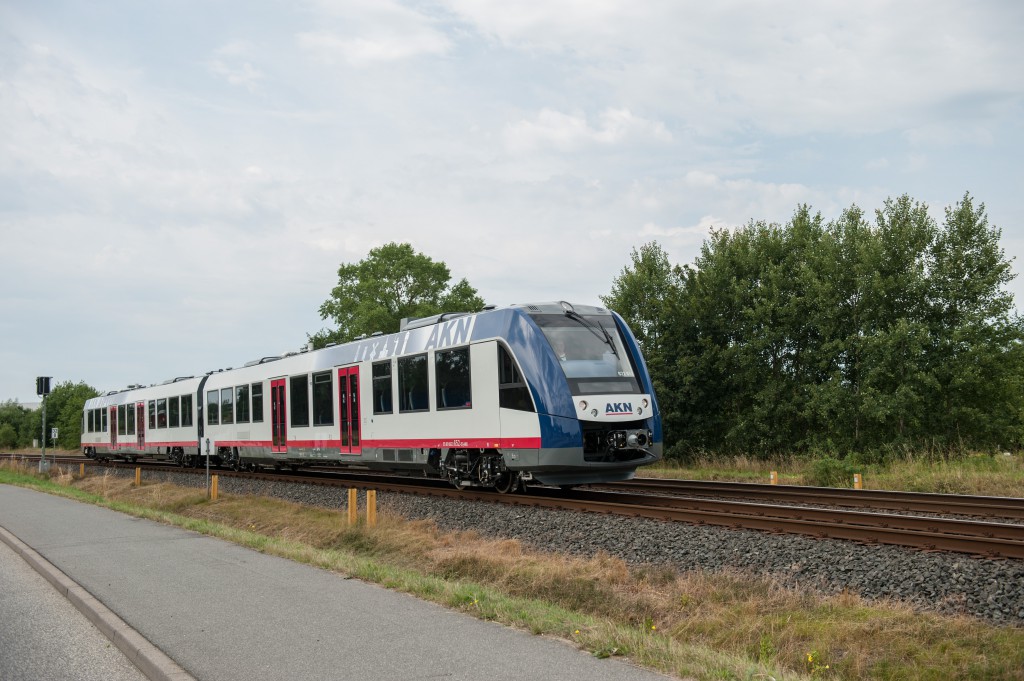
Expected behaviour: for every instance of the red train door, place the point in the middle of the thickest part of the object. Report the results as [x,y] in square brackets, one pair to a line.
[348,409]
[140,424]
[278,416]
[113,427]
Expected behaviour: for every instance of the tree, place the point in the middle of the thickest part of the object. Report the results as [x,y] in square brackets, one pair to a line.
[641,292]
[391,283]
[976,353]
[64,407]
[23,423]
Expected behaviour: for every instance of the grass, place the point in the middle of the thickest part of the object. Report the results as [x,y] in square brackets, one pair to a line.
[693,625]
[982,474]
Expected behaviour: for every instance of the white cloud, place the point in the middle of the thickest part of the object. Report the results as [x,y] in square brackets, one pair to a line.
[232,62]
[565,132]
[371,31]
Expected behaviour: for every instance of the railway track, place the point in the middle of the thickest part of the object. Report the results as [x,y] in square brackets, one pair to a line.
[731,507]
[943,504]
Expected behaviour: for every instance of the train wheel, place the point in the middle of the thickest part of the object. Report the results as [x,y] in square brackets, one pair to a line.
[508,483]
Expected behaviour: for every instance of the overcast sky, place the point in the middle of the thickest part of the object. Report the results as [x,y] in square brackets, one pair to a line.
[179,181]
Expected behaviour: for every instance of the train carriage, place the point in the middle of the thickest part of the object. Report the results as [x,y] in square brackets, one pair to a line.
[548,393]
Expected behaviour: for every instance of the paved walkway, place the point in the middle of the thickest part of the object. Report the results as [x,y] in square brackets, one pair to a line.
[226,613]
[43,636]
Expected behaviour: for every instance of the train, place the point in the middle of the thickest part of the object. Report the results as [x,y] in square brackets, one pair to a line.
[543,393]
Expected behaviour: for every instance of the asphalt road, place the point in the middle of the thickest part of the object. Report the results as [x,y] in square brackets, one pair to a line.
[43,636]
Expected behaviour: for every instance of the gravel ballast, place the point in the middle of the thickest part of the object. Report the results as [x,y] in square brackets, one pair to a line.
[944,582]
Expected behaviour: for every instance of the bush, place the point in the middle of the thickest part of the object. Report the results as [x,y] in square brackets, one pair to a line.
[8,436]
[830,472]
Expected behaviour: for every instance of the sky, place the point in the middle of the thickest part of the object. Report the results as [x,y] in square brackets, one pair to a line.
[180,180]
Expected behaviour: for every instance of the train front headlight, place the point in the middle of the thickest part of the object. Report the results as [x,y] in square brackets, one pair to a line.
[583,405]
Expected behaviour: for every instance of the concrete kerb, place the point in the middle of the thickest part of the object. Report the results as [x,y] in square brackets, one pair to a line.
[150,660]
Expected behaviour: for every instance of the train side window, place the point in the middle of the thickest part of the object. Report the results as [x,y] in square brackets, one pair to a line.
[161,413]
[212,407]
[413,390]
[120,419]
[323,399]
[173,413]
[382,403]
[152,414]
[300,400]
[227,402]
[453,387]
[104,420]
[257,403]
[513,392]
[130,411]
[186,411]
[242,404]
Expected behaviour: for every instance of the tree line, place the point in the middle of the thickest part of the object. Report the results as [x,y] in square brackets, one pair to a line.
[839,337]
[19,425]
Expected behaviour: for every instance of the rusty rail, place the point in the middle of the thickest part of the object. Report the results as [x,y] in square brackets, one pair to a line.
[948,504]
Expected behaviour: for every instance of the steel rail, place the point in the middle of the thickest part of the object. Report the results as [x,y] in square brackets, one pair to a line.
[958,504]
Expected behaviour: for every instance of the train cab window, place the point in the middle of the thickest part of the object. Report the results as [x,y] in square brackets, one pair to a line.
[161,413]
[152,414]
[173,413]
[413,391]
[186,411]
[212,407]
[451,371]
[89,421]
[130,411]
[513,392]
[257,402]
[227,402]
[382,388]
[299,400]
[242,404]
[323,399]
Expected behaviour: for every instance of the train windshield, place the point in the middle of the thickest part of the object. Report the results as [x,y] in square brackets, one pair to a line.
[591,352]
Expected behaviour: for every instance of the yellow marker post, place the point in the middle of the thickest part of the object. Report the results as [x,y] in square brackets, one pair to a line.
[858,482]
[81,470]
[773,477]
[138,477]
[371,507]
[353,509]
[213,488]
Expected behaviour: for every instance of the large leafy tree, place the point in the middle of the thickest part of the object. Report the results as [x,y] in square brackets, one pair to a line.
[391,283]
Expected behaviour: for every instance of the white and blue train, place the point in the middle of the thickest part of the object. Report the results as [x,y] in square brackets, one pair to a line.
[546,393]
